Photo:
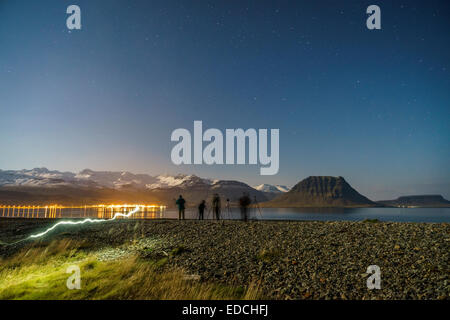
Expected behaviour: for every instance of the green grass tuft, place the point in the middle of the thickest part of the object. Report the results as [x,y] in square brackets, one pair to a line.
[39,272]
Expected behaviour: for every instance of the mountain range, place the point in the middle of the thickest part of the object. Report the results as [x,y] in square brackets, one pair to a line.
[91,178]
[271,188]
[42,186]
[89,186]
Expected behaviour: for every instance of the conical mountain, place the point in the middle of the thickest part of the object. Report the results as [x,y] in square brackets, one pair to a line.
[321,191]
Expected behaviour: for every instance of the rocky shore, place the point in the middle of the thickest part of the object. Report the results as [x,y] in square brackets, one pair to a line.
[288,260]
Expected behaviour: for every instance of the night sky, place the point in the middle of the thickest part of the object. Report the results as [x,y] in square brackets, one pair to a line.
[372,106]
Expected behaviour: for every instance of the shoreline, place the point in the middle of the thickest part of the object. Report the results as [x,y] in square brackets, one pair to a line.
[288,259]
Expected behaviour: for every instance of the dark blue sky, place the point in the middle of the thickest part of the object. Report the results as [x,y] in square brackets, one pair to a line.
[372,106]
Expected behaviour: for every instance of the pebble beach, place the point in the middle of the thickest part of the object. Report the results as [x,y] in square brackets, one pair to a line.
[286,259]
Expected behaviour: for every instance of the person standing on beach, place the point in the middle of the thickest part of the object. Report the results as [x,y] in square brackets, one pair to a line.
[201,210]
[180,203]
[244,202]
[216,206]
[228,208]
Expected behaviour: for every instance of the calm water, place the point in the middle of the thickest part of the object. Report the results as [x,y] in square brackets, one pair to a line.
[318,214]
[335,214]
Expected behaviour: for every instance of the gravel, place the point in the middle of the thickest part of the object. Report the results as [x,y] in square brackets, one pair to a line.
[287,259]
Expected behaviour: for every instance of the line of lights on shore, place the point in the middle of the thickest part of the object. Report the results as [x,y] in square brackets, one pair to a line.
[56,211]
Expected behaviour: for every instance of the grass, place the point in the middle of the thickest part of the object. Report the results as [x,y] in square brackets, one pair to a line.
[39,272]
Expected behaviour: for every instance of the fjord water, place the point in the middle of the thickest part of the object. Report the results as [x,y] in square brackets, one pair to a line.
[357,214]
[307,214]
[333,214]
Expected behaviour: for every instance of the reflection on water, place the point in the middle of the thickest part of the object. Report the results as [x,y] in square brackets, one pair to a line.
[331,214]
[95,211]
[357,214]
[160,212]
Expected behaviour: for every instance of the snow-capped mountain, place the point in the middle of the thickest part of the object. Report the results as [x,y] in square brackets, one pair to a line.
[181,180]
[271,188]
[108,179]
[35,177]
[102,186]
[112,179]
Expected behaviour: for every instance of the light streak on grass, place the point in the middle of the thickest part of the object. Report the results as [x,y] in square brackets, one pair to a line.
[85,221]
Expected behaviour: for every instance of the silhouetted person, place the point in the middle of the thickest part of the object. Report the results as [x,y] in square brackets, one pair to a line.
[216,206]
[180,203]
[227,206]
[244,202]
[201,210]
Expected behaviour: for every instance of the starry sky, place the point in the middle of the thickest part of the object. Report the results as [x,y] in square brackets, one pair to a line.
[369,105]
